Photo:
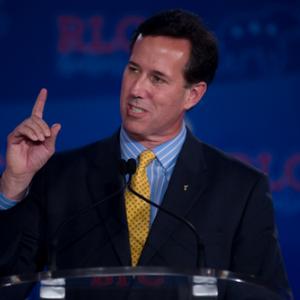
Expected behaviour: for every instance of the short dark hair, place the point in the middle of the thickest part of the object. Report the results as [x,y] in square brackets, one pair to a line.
[178,23]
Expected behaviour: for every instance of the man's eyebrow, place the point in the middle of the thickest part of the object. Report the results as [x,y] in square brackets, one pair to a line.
[133,63]
[153,72]
[161,74]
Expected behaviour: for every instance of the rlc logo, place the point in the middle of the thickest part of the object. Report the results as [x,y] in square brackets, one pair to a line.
[289,177]
[86,36]
[123,281]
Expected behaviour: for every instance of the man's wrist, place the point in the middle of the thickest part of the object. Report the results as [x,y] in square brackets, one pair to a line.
[13,188]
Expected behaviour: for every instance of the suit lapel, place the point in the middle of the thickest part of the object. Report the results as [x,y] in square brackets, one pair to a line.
[103,180]
[187,183]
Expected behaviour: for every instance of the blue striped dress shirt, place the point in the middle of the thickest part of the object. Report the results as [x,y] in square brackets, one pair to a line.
[160,169]
[6,203]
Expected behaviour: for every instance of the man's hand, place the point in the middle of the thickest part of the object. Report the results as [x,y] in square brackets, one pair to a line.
[29,147]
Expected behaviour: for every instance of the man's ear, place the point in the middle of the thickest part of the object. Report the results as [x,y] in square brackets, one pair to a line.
[195,94]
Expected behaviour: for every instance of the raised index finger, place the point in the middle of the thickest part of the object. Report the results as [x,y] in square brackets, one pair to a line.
[39,104]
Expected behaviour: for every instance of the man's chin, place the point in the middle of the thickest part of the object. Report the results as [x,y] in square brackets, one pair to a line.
[135,132]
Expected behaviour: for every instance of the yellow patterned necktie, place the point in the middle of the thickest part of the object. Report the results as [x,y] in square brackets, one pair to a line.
[137,210]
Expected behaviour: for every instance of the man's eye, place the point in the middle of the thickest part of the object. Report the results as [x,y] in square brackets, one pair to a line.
[157,80]
[133,69]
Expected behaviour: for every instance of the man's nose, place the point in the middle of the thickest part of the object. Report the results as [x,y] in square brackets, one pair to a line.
[140,87]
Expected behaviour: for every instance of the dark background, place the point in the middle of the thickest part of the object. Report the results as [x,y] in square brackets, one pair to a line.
[77,50]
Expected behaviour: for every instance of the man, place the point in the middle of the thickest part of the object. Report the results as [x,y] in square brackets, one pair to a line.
[173,59]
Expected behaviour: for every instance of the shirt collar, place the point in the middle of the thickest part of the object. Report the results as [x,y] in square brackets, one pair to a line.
[166,153]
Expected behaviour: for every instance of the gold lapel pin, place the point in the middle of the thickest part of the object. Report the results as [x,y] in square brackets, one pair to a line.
[185,187]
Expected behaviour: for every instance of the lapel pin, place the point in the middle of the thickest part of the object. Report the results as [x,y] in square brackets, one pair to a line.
[185,187]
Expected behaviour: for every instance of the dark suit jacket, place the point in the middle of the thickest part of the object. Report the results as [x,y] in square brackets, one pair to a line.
[228,202]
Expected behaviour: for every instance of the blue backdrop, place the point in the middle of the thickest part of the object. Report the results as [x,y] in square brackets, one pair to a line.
[78,50]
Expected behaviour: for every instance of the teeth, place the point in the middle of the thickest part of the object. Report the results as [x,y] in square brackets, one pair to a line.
[136,110]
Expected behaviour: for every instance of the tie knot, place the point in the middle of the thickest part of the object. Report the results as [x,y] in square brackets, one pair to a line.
[145,158]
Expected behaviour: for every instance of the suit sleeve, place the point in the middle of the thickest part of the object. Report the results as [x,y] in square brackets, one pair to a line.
[21,236]
[256,249]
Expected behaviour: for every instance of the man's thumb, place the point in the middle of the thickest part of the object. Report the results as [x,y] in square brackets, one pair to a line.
[55,128]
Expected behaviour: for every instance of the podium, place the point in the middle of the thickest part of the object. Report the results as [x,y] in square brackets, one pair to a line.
[138,283]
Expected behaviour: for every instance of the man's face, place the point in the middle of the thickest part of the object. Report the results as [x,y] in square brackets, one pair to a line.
[154,96]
